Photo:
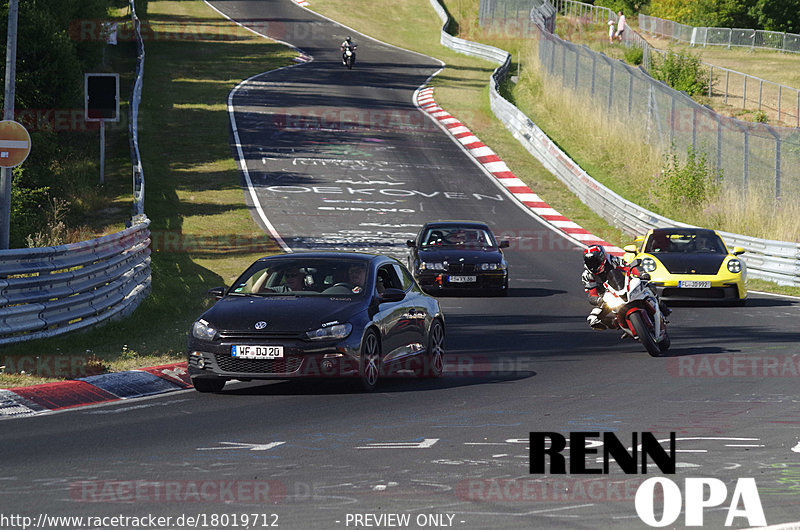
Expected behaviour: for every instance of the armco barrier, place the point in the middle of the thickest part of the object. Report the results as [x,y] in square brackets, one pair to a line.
[777,261]
[53,290]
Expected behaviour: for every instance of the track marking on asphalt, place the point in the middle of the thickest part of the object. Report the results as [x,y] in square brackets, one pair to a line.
[238,445]
[424,444]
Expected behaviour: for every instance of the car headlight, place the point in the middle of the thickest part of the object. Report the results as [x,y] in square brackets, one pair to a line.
[336,332]
[649,264]
[202,330]
[735,266]
[434,266]
[492,266]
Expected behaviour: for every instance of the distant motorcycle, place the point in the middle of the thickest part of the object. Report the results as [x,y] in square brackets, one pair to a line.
[350,55]
[636,310]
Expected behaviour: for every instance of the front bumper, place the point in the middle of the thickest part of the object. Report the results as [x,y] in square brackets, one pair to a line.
[719,291]
[432,281]
[302,359]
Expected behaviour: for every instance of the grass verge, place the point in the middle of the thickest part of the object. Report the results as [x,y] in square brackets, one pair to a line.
[202,232]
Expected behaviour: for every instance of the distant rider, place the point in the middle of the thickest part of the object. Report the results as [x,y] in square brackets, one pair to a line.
[348,44]
[597,264]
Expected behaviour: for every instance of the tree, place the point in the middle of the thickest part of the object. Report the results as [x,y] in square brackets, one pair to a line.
[777,15]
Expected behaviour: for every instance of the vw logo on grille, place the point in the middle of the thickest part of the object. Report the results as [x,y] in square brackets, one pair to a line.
[260,324]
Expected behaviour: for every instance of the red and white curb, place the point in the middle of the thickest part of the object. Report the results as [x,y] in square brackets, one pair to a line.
[93,390]
[301,3]
[494,165]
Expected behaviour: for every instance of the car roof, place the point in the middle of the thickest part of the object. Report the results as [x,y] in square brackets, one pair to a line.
[327,255]
[680,230]
[453,224]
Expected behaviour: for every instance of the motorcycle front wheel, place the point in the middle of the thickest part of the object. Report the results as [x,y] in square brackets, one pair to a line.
[645,335]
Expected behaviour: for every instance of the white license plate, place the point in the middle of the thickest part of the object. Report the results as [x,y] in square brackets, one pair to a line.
[694,284]
[463,279]
[257,352]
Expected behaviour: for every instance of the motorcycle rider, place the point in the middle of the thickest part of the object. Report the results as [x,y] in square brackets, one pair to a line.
[597,264]
[348,44]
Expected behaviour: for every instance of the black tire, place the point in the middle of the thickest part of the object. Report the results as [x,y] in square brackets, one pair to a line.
[645,334]
[433,364]
[349,63]
[208,385]
[369,365]
[665,343]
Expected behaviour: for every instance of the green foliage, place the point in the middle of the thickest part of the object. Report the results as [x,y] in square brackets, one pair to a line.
[628,7]
[28,209]
[760,116]
[634,55]
[681,72]
[777,15]
[690,184]
[51,59]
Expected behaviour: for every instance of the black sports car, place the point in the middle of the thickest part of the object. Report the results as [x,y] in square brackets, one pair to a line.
[320,314]
[458,255]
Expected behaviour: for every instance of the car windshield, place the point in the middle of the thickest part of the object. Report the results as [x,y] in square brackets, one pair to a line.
[299,276]
[457,236]
[685,242]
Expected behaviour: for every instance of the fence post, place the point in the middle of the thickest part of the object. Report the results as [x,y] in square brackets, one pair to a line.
[610,84]
[694,128]
[577,65]
[744,93]
[746,161]
[777,166]
[760,91]
[630,89]
[594,72]
[710,79]
[727,76]
[719,147]
[779,102]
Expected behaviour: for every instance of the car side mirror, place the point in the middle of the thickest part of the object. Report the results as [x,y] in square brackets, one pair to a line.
[738,250]
[504,244]
[216,292]
[630,248]
[411,243]
[392,295]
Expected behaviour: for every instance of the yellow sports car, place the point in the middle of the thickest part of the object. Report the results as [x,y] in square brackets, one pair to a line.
[690,264]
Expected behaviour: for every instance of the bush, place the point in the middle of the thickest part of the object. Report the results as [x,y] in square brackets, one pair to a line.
[681,72]
[634,55]
[28,210]
[688,185]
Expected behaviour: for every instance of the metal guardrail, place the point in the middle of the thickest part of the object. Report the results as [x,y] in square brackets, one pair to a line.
[49,291]
[777,261]
[136,97]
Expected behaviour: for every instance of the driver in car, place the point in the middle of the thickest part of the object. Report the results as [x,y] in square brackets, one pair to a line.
[294,279]
[357,275]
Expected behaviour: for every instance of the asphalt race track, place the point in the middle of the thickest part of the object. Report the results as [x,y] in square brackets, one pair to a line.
[343,159]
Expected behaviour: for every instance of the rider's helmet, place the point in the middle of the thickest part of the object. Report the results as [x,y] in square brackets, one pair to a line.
[596,259]
[348,39]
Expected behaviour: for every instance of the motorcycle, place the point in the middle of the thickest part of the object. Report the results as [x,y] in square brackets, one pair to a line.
[350,55]
[635,310]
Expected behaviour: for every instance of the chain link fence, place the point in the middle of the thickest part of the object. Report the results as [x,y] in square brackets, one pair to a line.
[751,155]
[728,37]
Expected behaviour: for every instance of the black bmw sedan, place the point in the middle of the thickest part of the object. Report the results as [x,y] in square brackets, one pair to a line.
[320,314]
[458,256]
